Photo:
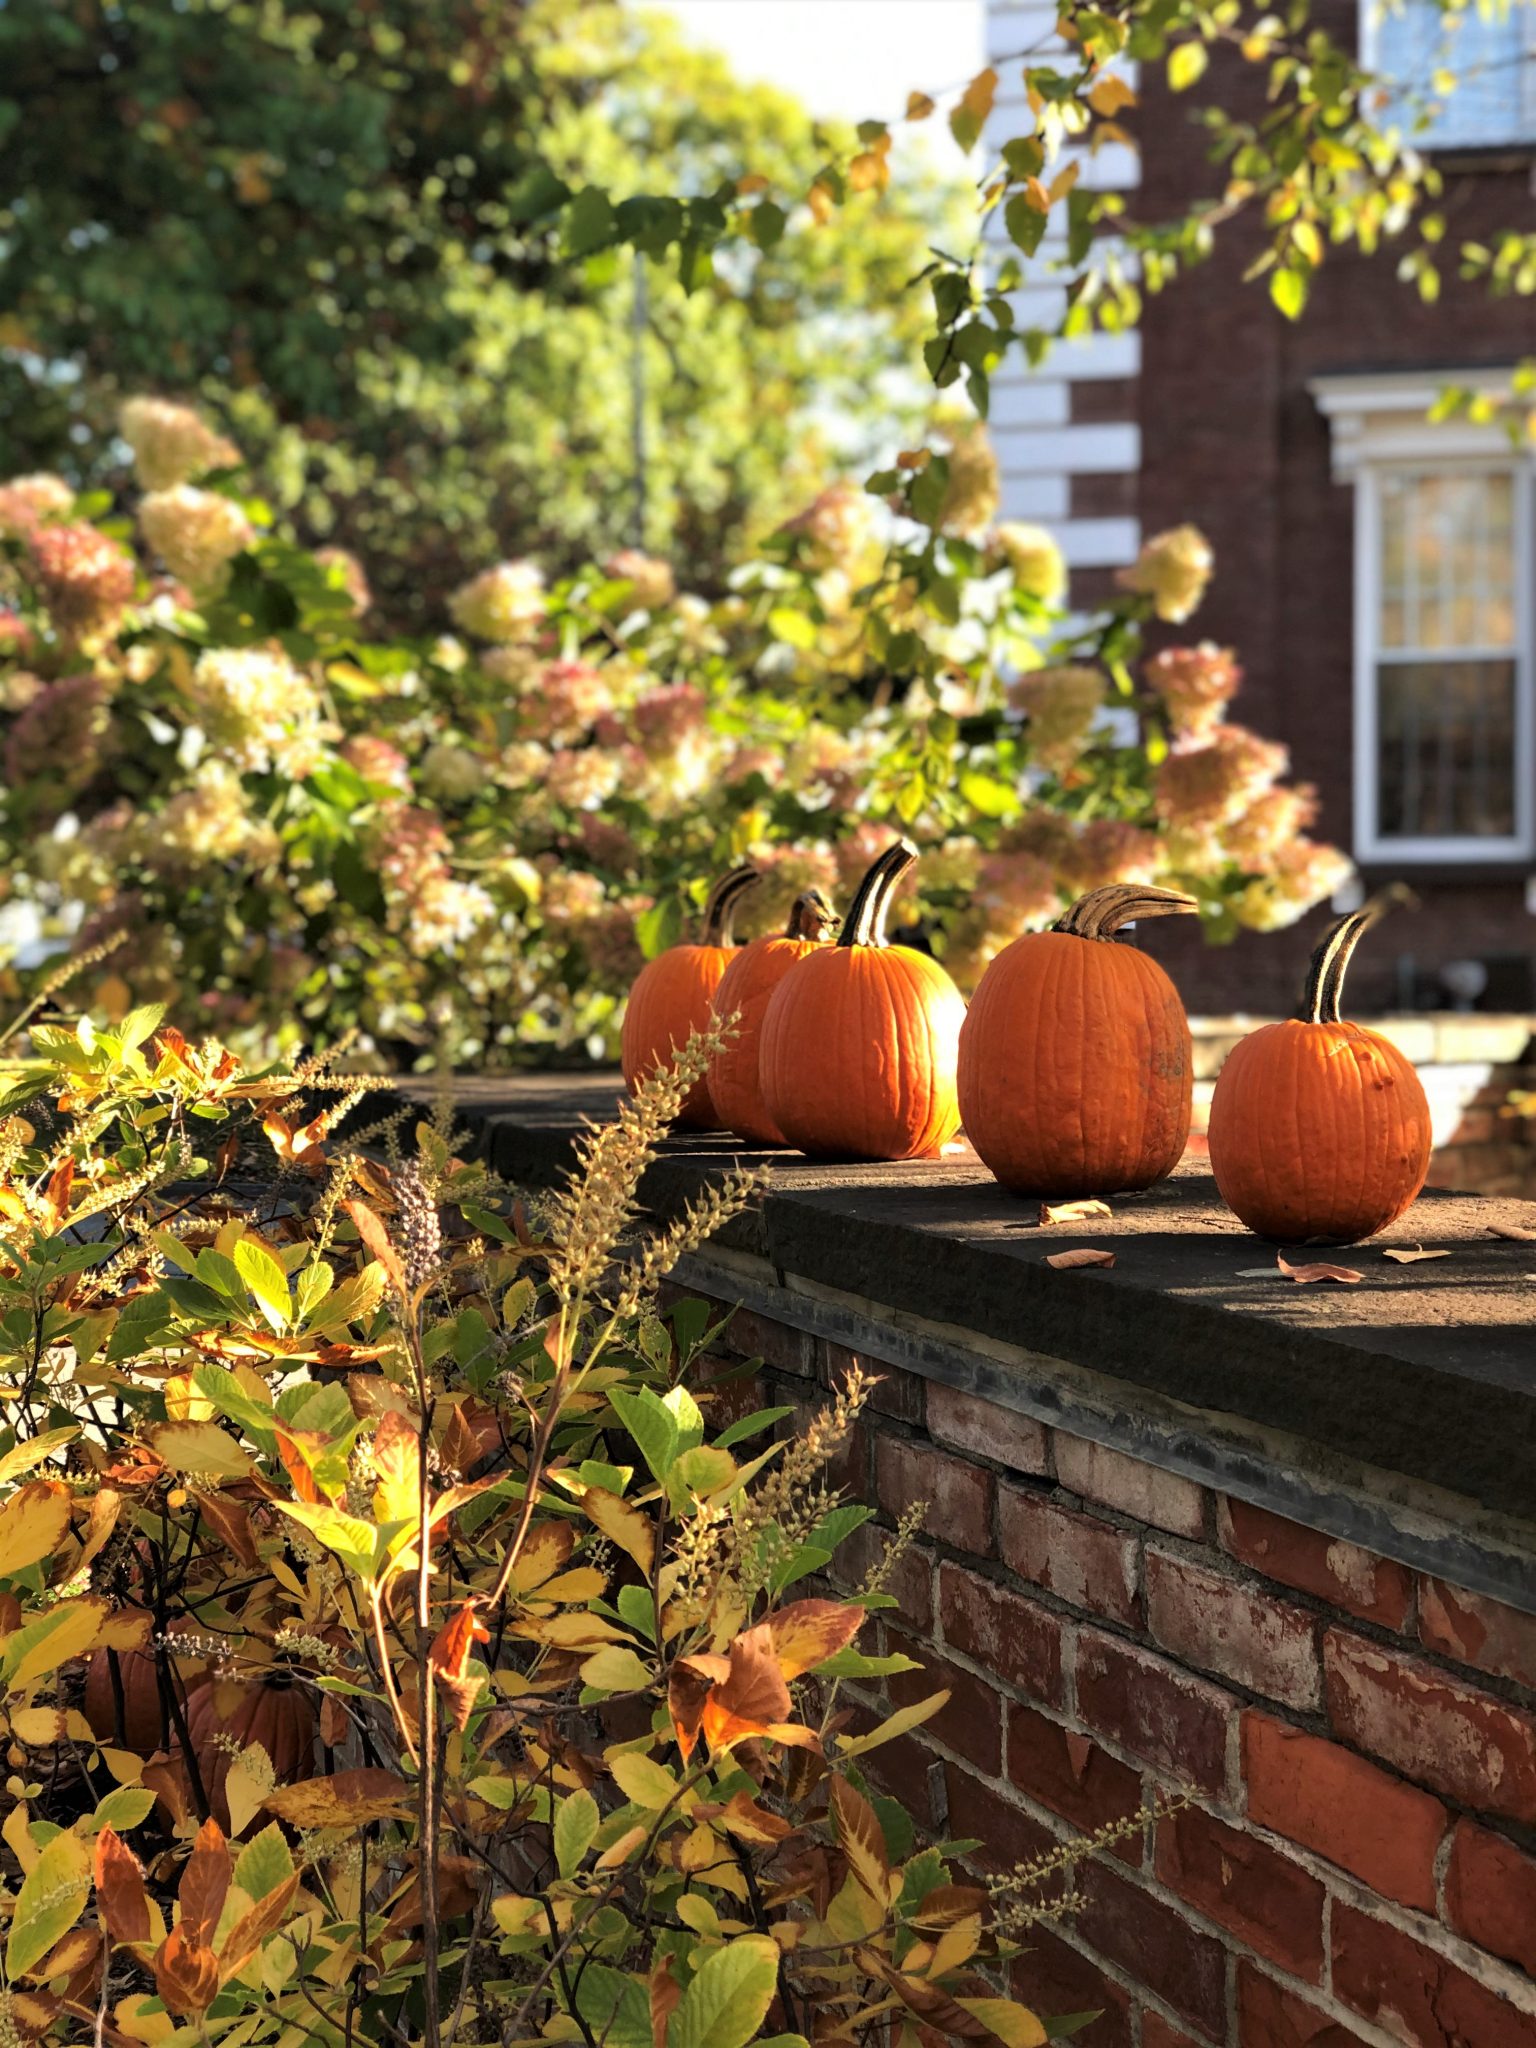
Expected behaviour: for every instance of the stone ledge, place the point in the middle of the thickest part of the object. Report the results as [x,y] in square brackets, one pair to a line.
[1424,1375]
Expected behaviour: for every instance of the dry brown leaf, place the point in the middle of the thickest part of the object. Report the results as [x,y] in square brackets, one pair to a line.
[1084,1255]
[1345,1275]
[1516,1232]
[1411,1258]
[345,1800]
[1073,1212]
[121,1900]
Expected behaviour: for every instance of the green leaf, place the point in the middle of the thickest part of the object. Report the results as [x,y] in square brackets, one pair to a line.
[354,1541]
[1288,289]
[122,1809]
[1186,64]
[792,627]
[616,2007]
[729,1997]
[1026,224]
[221,1387]
[50,1902]
[264,1863]
[646,1418]
[589,222]
[643,1780]
[749,1425]
[266,1280]
[576,1820]
[659,927]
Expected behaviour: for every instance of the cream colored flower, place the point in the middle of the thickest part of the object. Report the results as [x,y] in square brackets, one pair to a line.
[1035,561]
[171,443]
[1061,705]
[257,709]
[26,501]
[197,534]
[1195,684]
[971,495]
[502,604]
[451,772]
[582,778]
[652,584]
[835,528]
[1172,569]
[1302,875]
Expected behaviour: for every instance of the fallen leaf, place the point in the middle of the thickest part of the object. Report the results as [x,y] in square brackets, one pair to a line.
[1407,1258]
[1345,1275]
[1085,1255]
[1072,1212]
[1517,1232]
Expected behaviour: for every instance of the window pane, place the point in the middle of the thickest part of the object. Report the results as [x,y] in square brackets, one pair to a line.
[1489,106]
[1447,560]
[1446,749]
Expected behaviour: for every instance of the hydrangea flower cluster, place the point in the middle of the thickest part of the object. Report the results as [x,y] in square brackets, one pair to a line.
[197,534]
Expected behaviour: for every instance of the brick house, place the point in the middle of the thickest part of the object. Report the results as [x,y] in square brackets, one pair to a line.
[1375,573]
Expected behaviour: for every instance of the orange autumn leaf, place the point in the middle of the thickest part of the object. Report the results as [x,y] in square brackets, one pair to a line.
[1084,1255]
[347,1799]
[186,1973]
[1346,1276]
[121,1899]
[252,1929]
[205,1883]
[376,1238]
[806,1633]
[666,1995]
[449,1658]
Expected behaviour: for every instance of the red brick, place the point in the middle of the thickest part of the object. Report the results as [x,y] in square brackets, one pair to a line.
[895,1393]
[959,1494]
[1218,1624]
[848,1468]
[750,1335]
[1269,2016]
[1154,1710]
[1374,1588]
[1490,1895]
[1080,1559]
[1153,1943]
[908,1771]
[1008,1835]
[1384,1832]
[970,1722]
[1136,1488]
[1464,1743]
[909,1582]
[726,1390]
[1018,1640]
[1478,1631]
[1070,1774]
[1156,2033]
[987,1430]
[1103,398]
[1052,1978]
[1415,1995]
[1264,1898]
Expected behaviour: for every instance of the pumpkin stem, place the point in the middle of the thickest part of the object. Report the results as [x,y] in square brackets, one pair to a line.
[1101,913]
[720,909]
[1324,988]
[865,923]
[811,917]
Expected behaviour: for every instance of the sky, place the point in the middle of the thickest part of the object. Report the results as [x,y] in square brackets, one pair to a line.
[854,58]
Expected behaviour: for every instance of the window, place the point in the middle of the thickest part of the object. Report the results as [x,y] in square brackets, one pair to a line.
[1443,672]
[1491,56]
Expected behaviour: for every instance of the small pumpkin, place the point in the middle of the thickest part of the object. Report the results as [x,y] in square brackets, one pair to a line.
[1320,1130]
[144,1729]
[745,990]
[672,997]
[859,1040]
[1075,1063]
[271,1711]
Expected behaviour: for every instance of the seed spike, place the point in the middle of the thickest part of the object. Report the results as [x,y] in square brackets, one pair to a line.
[724,898]
[1101,913]
[865,923]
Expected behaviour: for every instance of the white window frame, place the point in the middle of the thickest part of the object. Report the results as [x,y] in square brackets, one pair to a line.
[1379,426]
[1370,17]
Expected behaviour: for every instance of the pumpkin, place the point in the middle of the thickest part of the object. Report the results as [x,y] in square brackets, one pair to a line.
[672,997]
[744,991]
[857,1055]
[1320,1130]
[143,1729]
[1075,1062]
[272,1712]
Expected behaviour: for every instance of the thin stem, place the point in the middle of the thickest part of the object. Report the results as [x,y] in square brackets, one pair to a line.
[1323,991]
[865,923]
[724,899]
[1101,913]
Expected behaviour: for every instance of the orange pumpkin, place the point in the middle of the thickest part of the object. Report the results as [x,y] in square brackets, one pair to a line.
[144,1731]
[1075,1066]
[672,997]
[744,991]
[1320,1130]
[857,1055]
[272,1712]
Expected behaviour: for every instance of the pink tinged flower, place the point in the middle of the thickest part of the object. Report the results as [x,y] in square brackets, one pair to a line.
[16,636]
[1045,833]
[609,845]
[664,718]
[652,586]
[582,778]
[1270,823]
[26,501]
[197,534]
[58,738]
[1035,561]
[453,773]
[748,761]
[571,896]
[1112,850]
[1060,705]
[1213,782]
[564,700]
[1195,685]
[835,528]
[171,443]
[1172,569]
[344,570]
[1016,890]
[502,604]
[1302,875]
[84,578]
[377,761]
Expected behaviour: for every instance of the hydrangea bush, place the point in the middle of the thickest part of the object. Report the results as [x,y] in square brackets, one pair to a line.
[292,827]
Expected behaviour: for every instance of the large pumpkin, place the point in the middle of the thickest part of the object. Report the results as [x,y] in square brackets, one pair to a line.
[146,1727]
[276,1714]
[672,996]
[857,1057]
[1320,1131]
[745,989]
[1075,1072]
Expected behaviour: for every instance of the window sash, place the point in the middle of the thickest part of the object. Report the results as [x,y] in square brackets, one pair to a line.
[1494,104]
[1464,761]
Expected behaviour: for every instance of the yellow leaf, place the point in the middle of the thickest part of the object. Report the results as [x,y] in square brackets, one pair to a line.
[1186,65]
[615,1669]
[1064,180]
[623,1525]
[32,1525]
[56,1636]
[183,1403]
[1107,95]
[200,1447]
[956,1945]
[586,1582]
[821,202]
[642,1779]
[246,1787]
[514,1914]
[1014,2025]
[620,1851]
[575,1631]
[897,1724]
[919,106]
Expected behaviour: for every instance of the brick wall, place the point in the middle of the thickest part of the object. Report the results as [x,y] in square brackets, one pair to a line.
[1355,1741]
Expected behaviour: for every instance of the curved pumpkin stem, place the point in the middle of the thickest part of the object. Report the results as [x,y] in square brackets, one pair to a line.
[811,917]
[1101,913]
[1324,988]
[720,908]
[865,923]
